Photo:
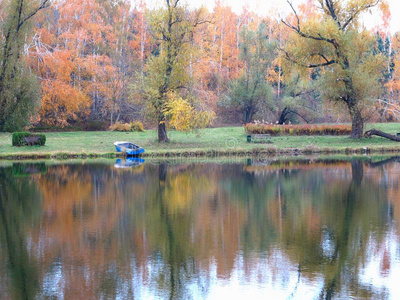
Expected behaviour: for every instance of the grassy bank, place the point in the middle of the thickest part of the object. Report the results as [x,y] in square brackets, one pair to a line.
[211,142]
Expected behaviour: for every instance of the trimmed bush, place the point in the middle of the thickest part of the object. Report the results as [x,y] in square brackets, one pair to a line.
[278,130]
[135,126]
[20,139]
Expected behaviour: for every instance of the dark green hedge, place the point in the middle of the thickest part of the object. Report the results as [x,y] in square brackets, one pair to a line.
[28,139]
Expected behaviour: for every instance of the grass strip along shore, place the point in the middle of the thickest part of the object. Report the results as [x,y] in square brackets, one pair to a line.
[210,142]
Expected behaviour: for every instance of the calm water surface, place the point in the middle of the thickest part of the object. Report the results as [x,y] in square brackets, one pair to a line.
[300,229]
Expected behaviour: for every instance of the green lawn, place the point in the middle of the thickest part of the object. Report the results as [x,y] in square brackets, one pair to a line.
[227,139]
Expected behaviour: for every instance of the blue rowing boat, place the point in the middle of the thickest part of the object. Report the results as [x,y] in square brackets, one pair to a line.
[128,148]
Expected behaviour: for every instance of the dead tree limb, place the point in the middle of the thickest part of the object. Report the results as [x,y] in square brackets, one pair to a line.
[377,132]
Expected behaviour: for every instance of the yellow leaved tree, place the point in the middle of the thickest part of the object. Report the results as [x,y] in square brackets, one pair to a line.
[166,70]
[182,116]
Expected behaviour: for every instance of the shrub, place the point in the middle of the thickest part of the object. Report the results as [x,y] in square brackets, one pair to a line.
[28,139]
[135,126]
[277,130]
[183,116]
[121,127]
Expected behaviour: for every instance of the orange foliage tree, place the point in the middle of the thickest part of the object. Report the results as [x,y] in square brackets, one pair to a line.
[85,53]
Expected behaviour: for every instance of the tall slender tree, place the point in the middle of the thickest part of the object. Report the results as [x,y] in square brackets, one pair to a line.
[173,28]
[16,84]
[251,89]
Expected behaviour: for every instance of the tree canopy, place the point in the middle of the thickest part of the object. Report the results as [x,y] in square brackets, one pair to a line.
[251,89]
[335,42]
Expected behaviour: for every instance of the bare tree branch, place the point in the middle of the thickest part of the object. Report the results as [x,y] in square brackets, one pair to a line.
[354,15]
[305,35]
[44,4]
[295,13]
[331,9]
[309,66]
[317,37]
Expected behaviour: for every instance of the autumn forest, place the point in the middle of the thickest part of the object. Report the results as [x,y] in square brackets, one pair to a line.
[86,65]
[159,149]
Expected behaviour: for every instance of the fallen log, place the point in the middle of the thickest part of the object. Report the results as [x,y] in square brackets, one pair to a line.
[377,132]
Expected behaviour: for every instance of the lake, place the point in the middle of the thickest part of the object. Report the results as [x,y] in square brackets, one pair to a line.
[230,229]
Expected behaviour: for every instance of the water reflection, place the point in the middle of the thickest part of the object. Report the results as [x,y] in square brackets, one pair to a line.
[128,162]
[290,229]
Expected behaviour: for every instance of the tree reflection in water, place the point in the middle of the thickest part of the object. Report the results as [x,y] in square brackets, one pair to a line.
[17,213]
[175,231]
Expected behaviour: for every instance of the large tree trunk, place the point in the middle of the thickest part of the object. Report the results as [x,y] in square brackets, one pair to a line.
[283,116]
[357,121]
[162,133]
[248,115]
